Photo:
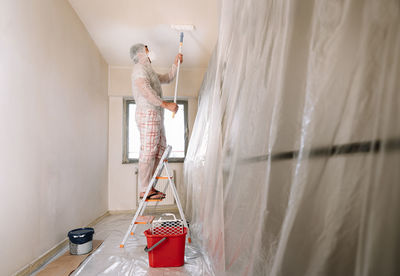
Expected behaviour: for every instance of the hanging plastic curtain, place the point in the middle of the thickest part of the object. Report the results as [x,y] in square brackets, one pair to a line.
[293,167]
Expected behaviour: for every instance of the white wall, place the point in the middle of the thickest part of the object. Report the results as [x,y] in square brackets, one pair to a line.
[122,179]
[53,129]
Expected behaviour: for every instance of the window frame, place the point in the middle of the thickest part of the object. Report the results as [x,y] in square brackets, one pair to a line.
[125,130]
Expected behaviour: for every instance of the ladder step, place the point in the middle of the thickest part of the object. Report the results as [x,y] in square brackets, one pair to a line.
[144,220]
[154,200]
[162,177]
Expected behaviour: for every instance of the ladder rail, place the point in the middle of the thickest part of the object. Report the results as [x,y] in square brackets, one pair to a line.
[159,169]
[139,212]
[178,202]
[160,166]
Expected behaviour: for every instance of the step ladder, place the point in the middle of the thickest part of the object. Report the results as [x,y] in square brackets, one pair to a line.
[139,218]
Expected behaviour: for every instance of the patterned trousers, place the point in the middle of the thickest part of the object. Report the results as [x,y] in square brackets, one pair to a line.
[152,144]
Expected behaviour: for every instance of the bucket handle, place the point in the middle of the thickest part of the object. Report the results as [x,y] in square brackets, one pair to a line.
[155,245]
[165,215]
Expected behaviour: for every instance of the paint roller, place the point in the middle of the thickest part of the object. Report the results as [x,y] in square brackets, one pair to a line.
[180,28]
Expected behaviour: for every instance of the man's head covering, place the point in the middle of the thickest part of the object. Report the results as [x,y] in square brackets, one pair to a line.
[138,53]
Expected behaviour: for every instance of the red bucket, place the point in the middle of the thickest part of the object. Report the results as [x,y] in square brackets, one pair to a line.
[166,250]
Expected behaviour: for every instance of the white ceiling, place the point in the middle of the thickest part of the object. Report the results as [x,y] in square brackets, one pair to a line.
[115,25]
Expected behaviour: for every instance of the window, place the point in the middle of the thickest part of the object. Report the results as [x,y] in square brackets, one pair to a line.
[176,132]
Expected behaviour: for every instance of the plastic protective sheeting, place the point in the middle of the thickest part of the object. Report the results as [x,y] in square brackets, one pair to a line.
[110,259]
[293,167]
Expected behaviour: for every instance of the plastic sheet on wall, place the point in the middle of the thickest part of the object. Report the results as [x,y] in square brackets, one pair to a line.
[293,164]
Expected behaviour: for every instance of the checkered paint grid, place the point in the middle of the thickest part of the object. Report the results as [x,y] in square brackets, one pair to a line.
[167,227]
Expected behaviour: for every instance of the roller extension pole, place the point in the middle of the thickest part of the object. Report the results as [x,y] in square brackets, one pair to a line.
[177,71]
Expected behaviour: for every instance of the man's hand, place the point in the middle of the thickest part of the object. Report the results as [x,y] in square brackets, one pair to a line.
[173,107]
[179,57]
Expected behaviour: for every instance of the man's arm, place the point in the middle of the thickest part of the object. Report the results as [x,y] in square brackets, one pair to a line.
[168,77]
[145,89]
[171,106]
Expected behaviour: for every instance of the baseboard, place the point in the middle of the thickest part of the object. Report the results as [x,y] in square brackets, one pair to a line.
[118,212]
[30,268]
[36,264]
